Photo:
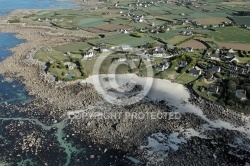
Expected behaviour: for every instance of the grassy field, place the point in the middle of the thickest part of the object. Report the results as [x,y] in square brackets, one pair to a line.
[185,78]
[73,47]
[241,20]
[231,34]
[243,60]
[201,83]
[105,66]
[177,39]
[90,22]
[120,39]
[48,54]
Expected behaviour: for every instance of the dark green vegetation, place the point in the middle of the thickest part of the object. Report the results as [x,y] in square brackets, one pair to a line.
[62,72]
[229,97]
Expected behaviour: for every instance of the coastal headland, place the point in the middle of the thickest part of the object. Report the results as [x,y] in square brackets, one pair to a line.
[204,134]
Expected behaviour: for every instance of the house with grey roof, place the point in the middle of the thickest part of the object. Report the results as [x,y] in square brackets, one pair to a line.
[195,72]
[213,89]
[215,69]
[241,94]
[215,57]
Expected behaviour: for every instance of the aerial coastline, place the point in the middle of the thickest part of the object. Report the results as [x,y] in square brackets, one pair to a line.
[202,120]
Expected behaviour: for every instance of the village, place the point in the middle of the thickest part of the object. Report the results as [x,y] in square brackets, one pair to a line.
[212,73]
[207,53]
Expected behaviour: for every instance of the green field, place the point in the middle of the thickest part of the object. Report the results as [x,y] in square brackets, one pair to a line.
[231,34]
[90,22]
[105,66]
[73,47]
[120,39]
[177,39]
[241,20]
[49,54]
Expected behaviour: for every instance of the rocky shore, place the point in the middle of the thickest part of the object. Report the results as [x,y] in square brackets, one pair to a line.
[147,139]
[30,72]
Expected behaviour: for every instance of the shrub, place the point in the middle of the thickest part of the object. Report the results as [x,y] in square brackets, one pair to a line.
[14,21]
[136,35]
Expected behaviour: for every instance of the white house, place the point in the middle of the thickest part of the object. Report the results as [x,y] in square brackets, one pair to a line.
[70,66]
[189,49]
[231,51]
[215,57]
[89,53]
[122,59]
[135,58]
[126,48]
[103,48]
[158,52]
[140,20]
[125,31]
[150,58]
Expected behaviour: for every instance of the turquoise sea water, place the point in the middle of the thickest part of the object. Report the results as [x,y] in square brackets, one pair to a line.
[8,5]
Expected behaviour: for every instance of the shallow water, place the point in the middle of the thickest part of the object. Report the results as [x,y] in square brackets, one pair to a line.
[8,5]
[10,91]
[7,40]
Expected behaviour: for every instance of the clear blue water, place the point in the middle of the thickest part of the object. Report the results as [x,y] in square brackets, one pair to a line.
[13,91]
[8,5]
[7,40]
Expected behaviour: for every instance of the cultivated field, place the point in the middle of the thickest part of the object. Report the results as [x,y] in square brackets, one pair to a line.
[212,20]
[193,43]
[236,46]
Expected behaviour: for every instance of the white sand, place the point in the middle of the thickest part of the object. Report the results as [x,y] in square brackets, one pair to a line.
[175,94]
